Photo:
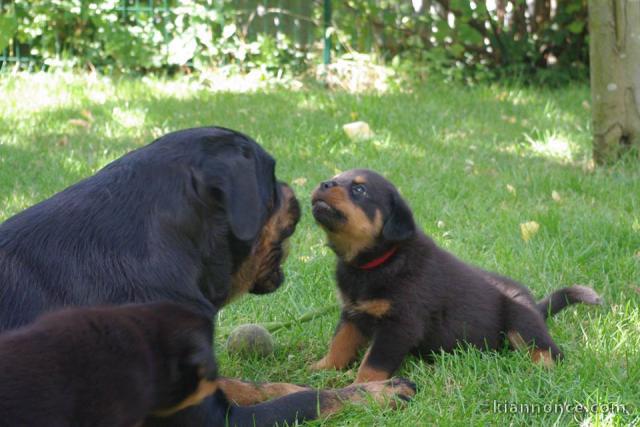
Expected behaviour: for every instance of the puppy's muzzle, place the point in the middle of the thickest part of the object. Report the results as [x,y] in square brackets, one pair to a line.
[323,208]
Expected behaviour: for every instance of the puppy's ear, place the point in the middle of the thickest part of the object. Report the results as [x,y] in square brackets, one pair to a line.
[242,185]
[399,225]
[204,362]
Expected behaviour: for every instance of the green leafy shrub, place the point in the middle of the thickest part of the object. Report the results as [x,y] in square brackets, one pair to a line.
[147,36]
[477,40]
[529,40]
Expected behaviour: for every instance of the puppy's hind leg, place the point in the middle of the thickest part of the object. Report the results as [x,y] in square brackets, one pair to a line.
[526,330]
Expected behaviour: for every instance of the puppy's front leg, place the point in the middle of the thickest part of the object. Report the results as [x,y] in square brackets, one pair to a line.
[346,342]
[392,341]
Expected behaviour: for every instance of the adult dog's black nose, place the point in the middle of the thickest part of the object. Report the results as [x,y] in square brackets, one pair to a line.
[328,184]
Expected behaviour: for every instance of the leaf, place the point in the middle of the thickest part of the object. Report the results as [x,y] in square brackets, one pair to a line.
[576,27]
[80,123]
[456,49]
[8,28]
[528,230]
[470,35]
[87,115]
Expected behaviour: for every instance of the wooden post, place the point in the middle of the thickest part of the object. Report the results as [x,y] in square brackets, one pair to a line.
[326,54]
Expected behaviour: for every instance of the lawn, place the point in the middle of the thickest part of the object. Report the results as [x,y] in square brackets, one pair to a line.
[474,163]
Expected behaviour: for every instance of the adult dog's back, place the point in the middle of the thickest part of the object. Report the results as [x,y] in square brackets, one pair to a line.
[171,220]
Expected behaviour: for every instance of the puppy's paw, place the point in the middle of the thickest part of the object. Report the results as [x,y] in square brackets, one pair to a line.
[323,365]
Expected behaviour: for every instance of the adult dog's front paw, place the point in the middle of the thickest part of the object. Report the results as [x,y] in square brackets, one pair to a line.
[393,392]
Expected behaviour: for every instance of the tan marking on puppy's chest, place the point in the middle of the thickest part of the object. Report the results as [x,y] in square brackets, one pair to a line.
[378,307]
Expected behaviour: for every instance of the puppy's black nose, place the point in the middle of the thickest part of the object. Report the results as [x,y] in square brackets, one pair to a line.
[328,184]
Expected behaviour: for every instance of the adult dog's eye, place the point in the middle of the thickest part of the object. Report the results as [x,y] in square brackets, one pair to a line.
[358,189]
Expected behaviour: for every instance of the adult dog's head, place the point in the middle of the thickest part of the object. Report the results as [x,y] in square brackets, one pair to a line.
[195,217]
[233,181]
[261,272]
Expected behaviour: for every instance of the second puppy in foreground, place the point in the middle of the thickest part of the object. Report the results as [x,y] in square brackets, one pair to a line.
[405,294]
[107,366]
[138,364]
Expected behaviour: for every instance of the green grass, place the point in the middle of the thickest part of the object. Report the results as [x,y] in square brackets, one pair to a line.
[453,151]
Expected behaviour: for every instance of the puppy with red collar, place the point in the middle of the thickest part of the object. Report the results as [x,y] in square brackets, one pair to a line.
[404,294]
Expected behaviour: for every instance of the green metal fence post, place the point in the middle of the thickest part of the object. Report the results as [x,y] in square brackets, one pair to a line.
[326,56]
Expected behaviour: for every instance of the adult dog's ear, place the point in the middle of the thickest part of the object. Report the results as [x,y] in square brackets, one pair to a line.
[241,185]
[399,225]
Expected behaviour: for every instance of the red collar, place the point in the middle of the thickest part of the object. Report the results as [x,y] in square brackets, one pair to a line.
[376,262]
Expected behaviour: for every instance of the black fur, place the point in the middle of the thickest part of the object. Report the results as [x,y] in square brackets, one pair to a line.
[172,221]
[106,367]
[119,366]
[437,302]
[169,221]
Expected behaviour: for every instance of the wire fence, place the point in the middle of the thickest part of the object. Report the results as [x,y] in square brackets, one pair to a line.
[253,17]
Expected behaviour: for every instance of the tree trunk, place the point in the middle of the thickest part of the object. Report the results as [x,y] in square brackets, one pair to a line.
[519,18]
[614,51]
[541,15]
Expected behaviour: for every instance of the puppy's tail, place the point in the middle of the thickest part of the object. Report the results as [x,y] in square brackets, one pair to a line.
[564,297]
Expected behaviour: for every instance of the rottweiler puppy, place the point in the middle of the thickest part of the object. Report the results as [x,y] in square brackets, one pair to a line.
[407,295]
[119,366]
[197,217]
[107,366]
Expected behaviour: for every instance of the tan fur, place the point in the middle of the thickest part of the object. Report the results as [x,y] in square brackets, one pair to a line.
[245,393]
[543,357]
[358,233]
[343,348]
[382,392]
[367,373]
[517,341]
[258,265]
[205,388]
[374,307]
[359,180]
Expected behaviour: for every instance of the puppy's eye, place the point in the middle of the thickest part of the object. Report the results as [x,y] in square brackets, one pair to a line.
[358,189]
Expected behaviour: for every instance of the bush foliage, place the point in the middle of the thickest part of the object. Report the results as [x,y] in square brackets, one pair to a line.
[484,39]
[525,39]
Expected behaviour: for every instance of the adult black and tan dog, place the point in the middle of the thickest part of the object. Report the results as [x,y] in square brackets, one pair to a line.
[174,220]
[196,217]
[403,292]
